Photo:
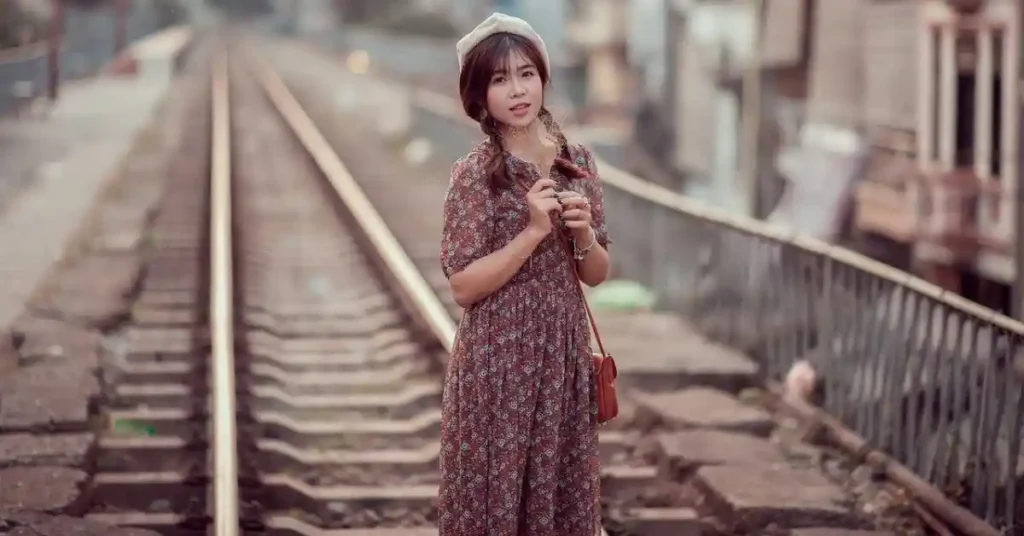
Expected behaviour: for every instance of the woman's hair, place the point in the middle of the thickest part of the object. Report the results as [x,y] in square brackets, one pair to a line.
[482,61]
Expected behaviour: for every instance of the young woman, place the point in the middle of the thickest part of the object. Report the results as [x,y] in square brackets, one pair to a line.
[524,208]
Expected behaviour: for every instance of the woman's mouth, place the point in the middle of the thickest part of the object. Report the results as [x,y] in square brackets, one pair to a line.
[520,110]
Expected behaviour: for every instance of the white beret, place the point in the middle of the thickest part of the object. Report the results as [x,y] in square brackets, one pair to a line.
[500,23]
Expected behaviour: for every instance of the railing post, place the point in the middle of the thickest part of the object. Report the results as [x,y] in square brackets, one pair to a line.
[120,25]
[53,49]
[751,114]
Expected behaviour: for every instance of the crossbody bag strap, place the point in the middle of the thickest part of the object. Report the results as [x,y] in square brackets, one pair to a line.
[571,264]
[571,259]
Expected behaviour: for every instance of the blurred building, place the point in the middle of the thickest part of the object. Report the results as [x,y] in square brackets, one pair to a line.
[891,125]
[949,116]
[596,49]
[22,22]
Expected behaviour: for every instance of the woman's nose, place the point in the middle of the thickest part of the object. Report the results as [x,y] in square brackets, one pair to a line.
[518,87]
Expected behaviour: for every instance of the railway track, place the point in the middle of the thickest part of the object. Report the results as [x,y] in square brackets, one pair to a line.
[281,371]
[151,467]
[276,381]
[344,393]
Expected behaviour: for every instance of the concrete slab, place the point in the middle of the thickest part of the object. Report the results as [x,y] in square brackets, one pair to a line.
[70,450]
[705,408]
[624,479]
[665,522]
[696,448]
[51,397]
[48,489]
[752,497]
[47,340]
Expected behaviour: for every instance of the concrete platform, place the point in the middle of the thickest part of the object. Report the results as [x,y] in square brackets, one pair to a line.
[94,162]
[53,169]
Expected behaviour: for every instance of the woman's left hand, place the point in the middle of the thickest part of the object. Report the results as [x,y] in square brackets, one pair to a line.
[576,213]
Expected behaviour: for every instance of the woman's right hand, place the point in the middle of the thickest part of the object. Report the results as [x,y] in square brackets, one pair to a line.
[542,200]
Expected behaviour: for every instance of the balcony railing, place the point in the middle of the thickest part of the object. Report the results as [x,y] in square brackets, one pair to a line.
[985,44]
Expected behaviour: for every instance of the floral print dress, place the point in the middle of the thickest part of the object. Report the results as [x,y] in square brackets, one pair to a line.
[519,415]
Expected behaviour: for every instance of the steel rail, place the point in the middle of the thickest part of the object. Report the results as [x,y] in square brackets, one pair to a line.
[222,356]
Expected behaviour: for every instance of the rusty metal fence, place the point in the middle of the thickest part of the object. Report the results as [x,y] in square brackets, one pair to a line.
[22,76]
[921,374]
[88,44]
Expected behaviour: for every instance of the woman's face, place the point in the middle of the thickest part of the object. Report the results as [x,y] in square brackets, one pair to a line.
[515,97]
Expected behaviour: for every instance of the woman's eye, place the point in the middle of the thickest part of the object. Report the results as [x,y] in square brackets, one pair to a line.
[498,80]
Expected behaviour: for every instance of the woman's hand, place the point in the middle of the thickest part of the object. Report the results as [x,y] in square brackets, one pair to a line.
[576,214]
[542,200]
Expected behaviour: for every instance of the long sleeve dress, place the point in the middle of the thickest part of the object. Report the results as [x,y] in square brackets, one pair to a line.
[519,414]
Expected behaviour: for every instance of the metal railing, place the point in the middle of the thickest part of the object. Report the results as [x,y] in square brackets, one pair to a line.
[22,76]
[921,374]
[88,44]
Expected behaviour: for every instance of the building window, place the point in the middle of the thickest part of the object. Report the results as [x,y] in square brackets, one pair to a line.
[973,78]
